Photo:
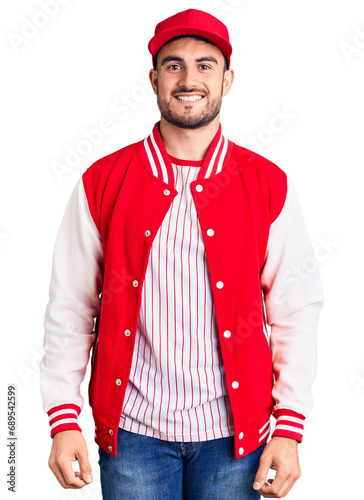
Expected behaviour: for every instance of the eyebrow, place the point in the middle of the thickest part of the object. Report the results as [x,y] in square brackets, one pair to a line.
[179,59]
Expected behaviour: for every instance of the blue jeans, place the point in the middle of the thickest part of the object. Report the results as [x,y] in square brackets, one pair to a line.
[147,468]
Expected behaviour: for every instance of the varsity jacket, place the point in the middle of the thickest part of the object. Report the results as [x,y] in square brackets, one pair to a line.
[262,272]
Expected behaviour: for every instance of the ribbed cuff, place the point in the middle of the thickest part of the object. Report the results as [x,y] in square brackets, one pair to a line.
[289,424]
[64,418]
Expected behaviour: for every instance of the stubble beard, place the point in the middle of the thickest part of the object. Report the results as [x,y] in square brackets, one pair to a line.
[189,119]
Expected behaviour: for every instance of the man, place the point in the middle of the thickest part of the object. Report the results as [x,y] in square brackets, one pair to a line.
[183,246]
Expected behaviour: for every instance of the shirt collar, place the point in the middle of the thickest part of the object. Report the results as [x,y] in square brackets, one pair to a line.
[157,158]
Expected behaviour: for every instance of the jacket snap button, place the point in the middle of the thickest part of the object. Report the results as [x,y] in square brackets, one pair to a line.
[235,385]
[241,451]
[199,188]
[118,381]
[166,191]
[219,284]
[109,447]
[241,435]
[210,232]
[135,283]
[111,431]
[127,333]
[147,232]
[227,334]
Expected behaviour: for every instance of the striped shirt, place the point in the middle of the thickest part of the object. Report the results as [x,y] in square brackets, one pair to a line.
[177,389]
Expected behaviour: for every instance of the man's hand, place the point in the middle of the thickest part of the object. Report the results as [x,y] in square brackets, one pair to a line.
[69,446]
[281,455]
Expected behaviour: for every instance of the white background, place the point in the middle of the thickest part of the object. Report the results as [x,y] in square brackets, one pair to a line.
[302,58]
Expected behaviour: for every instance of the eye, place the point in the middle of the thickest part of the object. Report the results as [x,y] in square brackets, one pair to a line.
[172,65]
[206,66]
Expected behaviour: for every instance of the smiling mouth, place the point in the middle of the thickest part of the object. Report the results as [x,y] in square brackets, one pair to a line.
[190,98]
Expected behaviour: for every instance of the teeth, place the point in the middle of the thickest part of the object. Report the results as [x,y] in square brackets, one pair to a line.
[189,98]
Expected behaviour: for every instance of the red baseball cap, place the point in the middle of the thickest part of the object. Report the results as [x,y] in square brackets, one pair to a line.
[191,22]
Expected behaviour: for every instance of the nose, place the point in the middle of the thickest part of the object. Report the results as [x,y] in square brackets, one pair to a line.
[188,78]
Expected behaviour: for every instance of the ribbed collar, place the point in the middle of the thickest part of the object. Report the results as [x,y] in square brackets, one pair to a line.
[157,159]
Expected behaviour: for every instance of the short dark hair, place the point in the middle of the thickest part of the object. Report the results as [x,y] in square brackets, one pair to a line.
[226,63]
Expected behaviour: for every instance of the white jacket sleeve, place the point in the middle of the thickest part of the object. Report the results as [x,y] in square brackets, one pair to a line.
[75,287]
[293,299]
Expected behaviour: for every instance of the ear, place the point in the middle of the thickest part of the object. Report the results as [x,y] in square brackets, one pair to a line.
[153,77]
[227,81]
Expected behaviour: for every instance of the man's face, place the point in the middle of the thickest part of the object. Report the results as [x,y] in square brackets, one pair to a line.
[190,82]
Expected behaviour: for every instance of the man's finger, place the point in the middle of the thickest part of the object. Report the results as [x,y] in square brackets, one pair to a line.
[56,471]
[285,493]
[60,477]
[53,465]
[290,481]
[262,473]
[85,468]
[70,478]
[279,486]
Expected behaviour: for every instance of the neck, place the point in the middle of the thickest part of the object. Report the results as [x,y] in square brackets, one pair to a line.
[188,144]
